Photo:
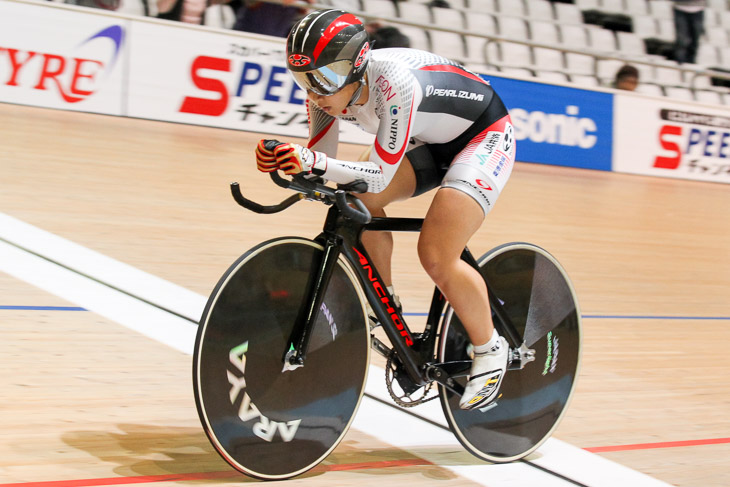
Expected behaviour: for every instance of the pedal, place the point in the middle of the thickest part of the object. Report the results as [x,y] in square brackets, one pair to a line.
[519,357]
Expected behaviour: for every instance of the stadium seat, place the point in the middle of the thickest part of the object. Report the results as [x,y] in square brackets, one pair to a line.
[221,16]
[601,39]
[666,30]
[585,80]
[547,59]
[517,72]
[719,5]
[717,36]
[711,18]
[699,82]
[708,55]
[645,26]
[482,23]
[448,17]
[475,49]
[512,27]
[512,54]
[661,9]
[417,36]
[567,13]
[588,4]
[539,9]
[650,89]
[724,56]
[678,93]
[613,6]
[630,43]
[545,32]
[579,63]
[511,7]
[551,76]
[381,8]
[484,6]
[708,96]
[637,7]
[573,35]
[447,44]
[414,12]
[725,19]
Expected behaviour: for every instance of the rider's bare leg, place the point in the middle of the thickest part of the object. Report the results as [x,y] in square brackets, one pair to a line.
[379,245]
[450,222]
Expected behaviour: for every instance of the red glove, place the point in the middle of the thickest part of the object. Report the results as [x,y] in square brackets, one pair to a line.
[293,159]
[265,158]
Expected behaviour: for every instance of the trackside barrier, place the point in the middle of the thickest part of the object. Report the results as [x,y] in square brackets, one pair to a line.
[70,58]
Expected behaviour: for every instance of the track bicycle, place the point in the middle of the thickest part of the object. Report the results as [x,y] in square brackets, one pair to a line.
[282,351]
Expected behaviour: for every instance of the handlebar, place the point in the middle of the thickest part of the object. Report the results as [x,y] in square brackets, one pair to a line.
[312,189]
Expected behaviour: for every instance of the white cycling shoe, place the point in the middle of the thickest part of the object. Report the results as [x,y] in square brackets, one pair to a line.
[485,378]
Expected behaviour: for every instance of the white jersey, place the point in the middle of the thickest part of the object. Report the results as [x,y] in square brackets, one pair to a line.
[415,97]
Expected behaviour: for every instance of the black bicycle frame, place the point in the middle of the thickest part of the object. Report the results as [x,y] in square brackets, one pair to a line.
[343,236]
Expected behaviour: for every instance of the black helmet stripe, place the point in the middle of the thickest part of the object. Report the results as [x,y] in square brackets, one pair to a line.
[299,46]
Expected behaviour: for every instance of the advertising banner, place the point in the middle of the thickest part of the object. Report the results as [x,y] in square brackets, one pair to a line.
[60,58]
[672,139]
[210,78]
[559,125]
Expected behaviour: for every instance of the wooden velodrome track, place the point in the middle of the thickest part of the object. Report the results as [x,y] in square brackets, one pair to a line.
[89,402]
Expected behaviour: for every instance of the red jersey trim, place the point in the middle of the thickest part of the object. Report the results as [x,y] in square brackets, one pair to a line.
[321,134]
[451,69]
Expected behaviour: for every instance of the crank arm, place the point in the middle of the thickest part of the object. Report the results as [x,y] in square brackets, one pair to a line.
[438,374]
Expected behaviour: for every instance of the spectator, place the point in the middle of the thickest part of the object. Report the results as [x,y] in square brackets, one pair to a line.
[627,78]
[268,18]
[689,19]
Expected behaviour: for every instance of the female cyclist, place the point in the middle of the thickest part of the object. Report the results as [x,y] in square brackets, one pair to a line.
[436,124]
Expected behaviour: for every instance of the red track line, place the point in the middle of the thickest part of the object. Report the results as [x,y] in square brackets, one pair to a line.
[209,475]
[651,446]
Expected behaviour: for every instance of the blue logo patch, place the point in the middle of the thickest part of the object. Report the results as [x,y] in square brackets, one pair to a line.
[558,125]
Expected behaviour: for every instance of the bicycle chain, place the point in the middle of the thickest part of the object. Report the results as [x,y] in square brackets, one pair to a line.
[390,375]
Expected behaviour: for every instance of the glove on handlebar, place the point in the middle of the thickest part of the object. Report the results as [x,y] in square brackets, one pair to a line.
[293,159]
[290,158]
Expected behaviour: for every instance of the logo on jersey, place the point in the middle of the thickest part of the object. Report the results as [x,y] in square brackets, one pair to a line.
[483,185]
[468,95]
[508,141]
[491,141]
[394,110]
[393,138]
[299,60]
[362,55]
[385,87]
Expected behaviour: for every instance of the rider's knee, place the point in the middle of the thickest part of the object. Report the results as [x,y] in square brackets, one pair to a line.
[432,260]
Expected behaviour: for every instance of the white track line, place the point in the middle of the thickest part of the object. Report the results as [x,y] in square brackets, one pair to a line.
[68,281]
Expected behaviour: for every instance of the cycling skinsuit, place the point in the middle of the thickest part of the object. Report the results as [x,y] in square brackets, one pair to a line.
[450,124]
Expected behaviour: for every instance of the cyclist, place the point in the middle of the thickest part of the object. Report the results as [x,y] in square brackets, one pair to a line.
[436,124]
